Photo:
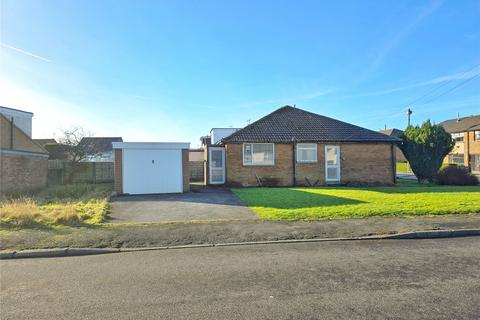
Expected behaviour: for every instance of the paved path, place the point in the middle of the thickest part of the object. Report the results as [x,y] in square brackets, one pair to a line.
[207,205]
[388,279]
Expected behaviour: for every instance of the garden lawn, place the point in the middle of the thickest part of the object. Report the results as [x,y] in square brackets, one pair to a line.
[407,199]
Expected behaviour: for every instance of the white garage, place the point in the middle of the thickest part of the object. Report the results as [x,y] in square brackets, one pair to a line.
[151,167]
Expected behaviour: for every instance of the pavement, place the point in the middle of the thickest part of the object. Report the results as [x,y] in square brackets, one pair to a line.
[179,234]
[373,279]
[205,204]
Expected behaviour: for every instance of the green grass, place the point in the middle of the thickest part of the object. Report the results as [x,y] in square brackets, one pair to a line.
[407,199]
[68,205]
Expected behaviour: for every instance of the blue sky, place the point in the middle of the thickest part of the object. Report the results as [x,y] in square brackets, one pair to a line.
[171,70]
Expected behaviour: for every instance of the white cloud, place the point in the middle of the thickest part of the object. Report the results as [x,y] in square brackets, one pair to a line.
[399,36]
[440,79]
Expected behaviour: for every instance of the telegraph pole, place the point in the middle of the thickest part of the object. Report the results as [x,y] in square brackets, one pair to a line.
[409,112]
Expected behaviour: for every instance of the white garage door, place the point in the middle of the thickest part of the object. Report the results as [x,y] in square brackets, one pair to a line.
[152,171]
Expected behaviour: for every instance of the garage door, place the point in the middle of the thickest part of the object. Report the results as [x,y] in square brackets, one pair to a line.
[152,171]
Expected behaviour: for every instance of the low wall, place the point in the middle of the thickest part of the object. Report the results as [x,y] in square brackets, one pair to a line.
[22,171]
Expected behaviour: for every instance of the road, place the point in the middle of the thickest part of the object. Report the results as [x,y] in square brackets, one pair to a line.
[387,279]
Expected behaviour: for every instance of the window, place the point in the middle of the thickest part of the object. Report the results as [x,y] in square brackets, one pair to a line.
[306,152]
[455,159]
[258,154]
[458,137]
[476,135]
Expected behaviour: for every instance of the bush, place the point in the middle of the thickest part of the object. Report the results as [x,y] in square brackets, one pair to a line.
[425,147]
[456,175]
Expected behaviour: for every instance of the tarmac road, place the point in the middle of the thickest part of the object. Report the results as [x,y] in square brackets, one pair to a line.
[373,279]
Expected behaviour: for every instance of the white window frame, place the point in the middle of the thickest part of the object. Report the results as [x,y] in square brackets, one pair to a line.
[476,135]
[307,146]
[338,165]
[457,135]
[258,164]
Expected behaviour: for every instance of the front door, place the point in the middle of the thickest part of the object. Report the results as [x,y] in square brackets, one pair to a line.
[332,164]
[216,159]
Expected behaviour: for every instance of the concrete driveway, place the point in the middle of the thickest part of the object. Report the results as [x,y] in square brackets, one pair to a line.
[203,205]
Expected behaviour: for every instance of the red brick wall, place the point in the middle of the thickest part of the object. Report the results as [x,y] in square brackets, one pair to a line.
[238,174]
[21,173]
[186,170]
[118,184]
[367,163]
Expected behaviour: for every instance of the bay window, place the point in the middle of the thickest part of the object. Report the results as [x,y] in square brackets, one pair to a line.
[258,154]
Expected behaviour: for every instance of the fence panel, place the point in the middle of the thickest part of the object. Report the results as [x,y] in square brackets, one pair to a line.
[62,172]
[196,170]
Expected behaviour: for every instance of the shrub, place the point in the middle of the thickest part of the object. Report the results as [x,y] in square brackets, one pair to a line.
[456,175]
[425,148]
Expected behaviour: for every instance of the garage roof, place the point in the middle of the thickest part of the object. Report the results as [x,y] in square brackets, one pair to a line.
[151,145]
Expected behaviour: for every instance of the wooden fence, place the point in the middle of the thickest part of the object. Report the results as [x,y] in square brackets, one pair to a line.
[62,172]
[196,170]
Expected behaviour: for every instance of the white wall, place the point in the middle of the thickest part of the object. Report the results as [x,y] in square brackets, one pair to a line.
[22,119]
[218,134]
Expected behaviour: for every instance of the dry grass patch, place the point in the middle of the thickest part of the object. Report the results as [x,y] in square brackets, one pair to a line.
[74,205]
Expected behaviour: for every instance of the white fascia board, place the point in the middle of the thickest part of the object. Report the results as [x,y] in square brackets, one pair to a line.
[151,145]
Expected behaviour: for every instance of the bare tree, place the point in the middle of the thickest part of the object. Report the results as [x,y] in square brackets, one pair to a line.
[77,150]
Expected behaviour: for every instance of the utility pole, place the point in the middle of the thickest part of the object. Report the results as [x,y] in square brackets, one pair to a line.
[409,112]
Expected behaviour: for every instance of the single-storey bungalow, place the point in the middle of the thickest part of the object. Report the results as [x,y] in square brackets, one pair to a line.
[291,147]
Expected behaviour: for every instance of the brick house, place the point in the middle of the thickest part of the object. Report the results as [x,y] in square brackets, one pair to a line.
[23,163]
[100,148]
[466,133]
[291,146]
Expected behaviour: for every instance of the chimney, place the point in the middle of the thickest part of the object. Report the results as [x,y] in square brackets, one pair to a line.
[458,116]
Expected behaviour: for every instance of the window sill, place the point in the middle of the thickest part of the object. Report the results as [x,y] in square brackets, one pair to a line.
[302,162]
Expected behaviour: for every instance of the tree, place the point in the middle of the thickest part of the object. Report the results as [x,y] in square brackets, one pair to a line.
[425,147]
[74,149]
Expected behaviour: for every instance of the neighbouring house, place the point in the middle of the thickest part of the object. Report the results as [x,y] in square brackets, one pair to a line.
[466,133]
[23,163]
[101,148]
[291,146]
[44,142]
[396,133]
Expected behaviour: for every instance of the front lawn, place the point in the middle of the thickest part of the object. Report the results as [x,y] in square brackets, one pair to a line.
[406,199]
[67,205]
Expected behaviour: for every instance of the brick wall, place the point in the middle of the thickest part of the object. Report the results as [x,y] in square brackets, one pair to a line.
[20,141]
[368,163]
[22,173]
[118,181]
[237,174]
[186,170]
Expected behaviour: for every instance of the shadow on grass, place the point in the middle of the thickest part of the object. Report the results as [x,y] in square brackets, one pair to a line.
[292,199]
